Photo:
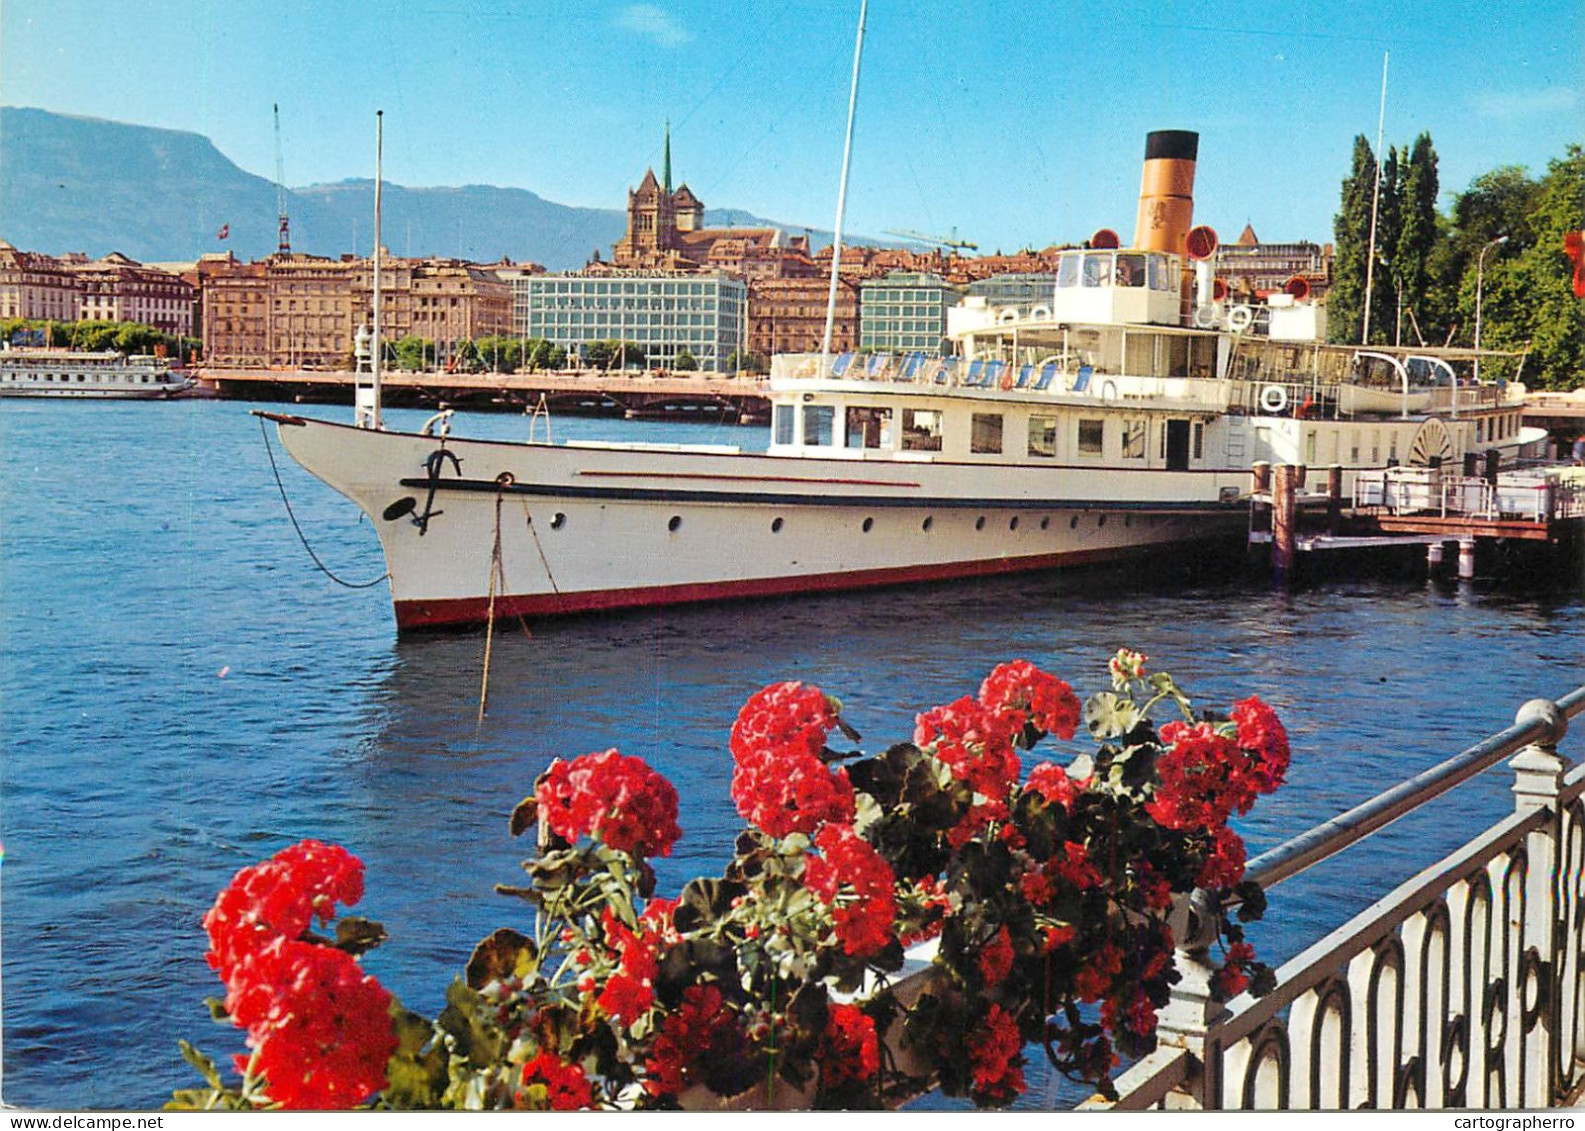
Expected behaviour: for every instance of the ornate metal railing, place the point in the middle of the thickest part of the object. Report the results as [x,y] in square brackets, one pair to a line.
[1461,988]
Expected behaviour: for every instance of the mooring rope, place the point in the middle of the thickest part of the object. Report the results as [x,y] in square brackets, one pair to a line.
[301,537]
[497,571]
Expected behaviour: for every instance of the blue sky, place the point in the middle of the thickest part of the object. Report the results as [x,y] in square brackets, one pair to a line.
[1011,122]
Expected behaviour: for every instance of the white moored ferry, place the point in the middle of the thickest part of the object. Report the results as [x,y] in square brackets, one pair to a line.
[1124,417]
[91,375]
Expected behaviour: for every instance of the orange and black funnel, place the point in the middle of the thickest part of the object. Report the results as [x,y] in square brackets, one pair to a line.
[1166,194]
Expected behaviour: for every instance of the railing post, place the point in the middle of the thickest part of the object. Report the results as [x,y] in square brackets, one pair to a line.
[1186,1020]
[1538,772]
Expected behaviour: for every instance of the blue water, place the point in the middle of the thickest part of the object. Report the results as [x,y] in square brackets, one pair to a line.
[182,694]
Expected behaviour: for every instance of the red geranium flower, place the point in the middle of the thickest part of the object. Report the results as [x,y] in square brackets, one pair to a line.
[996,1059]
[612,798]
[1262,733]
[975,743]
[788,790]
[320,1025]
[1052,782]
[280,898]
[849,1049]
[1022,693]
[996,958]
[857,883]
[566,1087]
[783,717]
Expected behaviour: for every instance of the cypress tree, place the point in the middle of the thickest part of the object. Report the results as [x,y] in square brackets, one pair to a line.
[1417,231]
[1351,243]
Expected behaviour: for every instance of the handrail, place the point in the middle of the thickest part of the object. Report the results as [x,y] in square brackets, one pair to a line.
[1325,840]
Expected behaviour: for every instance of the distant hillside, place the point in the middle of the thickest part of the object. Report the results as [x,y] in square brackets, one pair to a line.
[84,184]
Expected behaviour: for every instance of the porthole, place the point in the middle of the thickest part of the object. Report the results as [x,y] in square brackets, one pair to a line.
[676,521]
[775,525]
[1100,522]
[1012,523]
[869,524]
[1045,523]
[1073,523]
[979,523]
[558,521]
[927,524]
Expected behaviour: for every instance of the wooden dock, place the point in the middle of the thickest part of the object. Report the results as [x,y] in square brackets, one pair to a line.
[618,393]
[1541,505]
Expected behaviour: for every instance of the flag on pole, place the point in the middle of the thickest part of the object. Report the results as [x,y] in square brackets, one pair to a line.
[1574,248]
[225,230]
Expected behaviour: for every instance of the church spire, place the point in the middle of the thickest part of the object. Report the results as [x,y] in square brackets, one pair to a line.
[665,174]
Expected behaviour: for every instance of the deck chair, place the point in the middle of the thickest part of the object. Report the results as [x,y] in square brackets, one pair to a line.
[993,373]
[1025,375]
[975,375]
[840,363]
[910,367]
[1048,372]
[1081,383]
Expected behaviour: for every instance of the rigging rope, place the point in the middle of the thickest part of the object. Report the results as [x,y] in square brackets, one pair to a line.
[280,486]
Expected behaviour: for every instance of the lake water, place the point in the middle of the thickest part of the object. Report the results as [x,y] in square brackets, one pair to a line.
[182,694]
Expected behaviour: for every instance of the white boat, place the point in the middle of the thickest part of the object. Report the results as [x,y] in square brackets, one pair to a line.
[92,375]
[1125,417]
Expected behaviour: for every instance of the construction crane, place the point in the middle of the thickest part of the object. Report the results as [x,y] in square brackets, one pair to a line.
[284,247]
[951,241]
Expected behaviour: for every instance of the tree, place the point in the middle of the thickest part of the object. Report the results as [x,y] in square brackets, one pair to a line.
[686,362]
[609,353]
[747,361]
[1417,230]
[1351,237]
[413,353]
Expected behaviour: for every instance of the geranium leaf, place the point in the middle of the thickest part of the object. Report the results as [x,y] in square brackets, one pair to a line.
[504,954]
[1109,715]
[356,935]
[205,1067]
[525,816]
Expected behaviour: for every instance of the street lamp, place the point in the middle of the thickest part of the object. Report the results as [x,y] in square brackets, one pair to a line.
[1480,270]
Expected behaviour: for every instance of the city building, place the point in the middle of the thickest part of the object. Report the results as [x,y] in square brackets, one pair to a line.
[73,288]
[1254,270]
[1023,294]
[668,314]
[905,311]
[789,315]
[303,311]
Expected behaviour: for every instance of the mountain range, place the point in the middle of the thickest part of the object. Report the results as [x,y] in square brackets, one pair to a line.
[70,183]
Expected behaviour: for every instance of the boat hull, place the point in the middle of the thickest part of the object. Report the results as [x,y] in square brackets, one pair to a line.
[590,528]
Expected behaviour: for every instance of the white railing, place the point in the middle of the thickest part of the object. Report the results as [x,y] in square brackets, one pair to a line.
[1461,988]
[1416,490]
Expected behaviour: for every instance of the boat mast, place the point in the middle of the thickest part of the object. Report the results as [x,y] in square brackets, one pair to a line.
[842,197]
[1375,200]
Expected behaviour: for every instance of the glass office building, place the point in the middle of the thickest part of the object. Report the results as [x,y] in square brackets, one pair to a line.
[1024,293]
[905,311]
[703,315]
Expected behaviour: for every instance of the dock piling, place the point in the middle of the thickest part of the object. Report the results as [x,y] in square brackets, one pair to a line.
[1466,558]
[1284,518]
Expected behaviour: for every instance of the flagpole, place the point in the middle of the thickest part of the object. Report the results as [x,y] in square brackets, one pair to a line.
[1375,200]
[842,197]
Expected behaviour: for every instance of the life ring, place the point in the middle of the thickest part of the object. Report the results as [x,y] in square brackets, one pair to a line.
[1274,398]
[1108,390]
[1240,318]
[1007,380]
[1205,316]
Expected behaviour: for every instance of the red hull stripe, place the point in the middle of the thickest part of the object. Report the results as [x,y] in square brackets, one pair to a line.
[475,610]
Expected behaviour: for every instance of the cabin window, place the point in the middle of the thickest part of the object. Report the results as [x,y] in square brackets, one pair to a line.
[1098,270]
[1309,447]
[986,435]
[921,430]
[1135,433]
[1068,271]
[818,420]
[1199,439]
[782,423]
[1130,271]
[1480,431]
[869,427]
[1043,436]
[1153,267]
[1091,435]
